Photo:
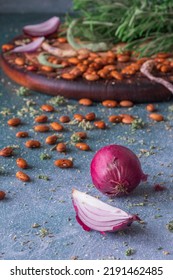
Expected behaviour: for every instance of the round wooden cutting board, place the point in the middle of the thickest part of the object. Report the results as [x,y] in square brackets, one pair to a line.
[136,88]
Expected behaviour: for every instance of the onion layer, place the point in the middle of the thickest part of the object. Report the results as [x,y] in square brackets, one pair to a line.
[43,29]
[30,47]
[91,213]
[116,170]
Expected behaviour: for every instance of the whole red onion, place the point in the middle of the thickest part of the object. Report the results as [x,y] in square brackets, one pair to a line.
[116,170]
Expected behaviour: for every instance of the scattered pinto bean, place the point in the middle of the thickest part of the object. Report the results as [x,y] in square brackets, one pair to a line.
[32,144]
[56,126]
[41,128]
[150,108]
[47,108]
[115,119]
[81,134]
[82,146]
[85,102]
[127,119]
[41,119]
[64,163]
[6,152]
[126,103]
[90,116]
[110,103]
[100,124]
[78,117]
[2,195]
[22,134]
[14,121]
[22,176]
[61,147]
[21,163]
[51,140]
[64,119]
[156,117]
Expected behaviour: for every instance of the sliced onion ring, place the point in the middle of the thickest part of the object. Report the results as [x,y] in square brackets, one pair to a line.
[91,213]
[34,45]
[43,29]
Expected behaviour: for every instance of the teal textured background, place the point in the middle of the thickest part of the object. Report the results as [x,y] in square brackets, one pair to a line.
[48,203]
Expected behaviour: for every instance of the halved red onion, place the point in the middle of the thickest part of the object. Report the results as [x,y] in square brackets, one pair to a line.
[34,45]
[43,29]
[91,213]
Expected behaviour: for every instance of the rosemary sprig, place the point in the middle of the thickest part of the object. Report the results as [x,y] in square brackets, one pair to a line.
[145,26]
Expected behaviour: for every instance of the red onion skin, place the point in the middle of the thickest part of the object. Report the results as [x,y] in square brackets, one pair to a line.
[31,47]
[116,170]
[45,28]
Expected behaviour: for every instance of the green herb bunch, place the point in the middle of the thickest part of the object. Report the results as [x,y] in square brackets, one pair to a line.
[146,26]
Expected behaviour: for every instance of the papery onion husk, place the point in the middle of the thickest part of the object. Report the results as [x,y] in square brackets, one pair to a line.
[45,28]
[116,170]
[91,213]
[31,47]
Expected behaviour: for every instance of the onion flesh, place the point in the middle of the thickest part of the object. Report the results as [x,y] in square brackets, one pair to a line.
[43,29]
[116,170]
[91,213]
[34,45]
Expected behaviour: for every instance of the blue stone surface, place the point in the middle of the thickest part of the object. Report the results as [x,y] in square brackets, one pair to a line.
[37,219]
